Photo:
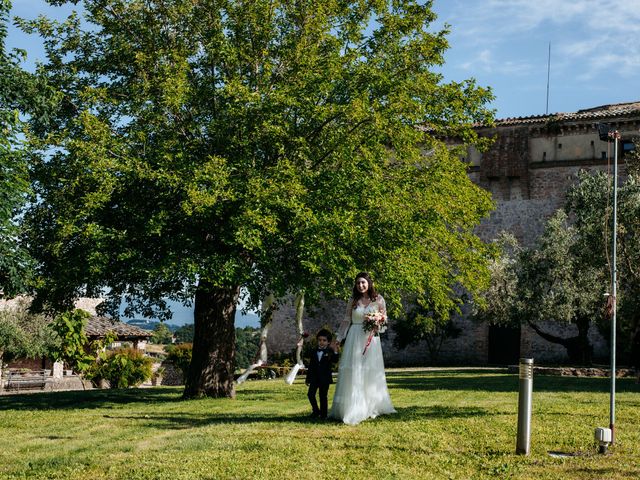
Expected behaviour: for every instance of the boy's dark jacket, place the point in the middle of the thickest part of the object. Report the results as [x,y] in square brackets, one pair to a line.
[319,371]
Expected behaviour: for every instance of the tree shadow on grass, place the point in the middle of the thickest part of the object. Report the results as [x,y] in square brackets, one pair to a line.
[471,380]
[440,412]
[187,420]
[610,472]
[501,382]
[88,399]
[117,398]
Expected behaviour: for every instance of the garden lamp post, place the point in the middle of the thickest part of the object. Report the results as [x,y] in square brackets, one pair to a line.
[607,134]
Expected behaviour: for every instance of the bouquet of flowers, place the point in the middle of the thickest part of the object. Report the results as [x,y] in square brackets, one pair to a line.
[374,323]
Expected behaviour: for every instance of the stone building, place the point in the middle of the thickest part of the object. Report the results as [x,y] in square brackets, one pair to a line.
[43,373]
[528,170]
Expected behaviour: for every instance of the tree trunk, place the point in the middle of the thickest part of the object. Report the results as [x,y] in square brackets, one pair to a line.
[291,376]
[434,343]
[579,348]
[299,326]
[214,342]
[266,317]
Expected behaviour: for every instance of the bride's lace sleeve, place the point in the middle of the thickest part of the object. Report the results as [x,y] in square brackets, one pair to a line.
[382,308]
[345,324]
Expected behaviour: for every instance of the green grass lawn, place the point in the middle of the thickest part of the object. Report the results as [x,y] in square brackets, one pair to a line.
[450,424]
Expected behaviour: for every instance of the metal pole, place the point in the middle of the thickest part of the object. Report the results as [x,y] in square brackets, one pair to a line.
[548,76]
[524,406]
[614,285]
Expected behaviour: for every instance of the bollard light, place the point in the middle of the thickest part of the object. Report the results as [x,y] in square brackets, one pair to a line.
[603,437]
[524,406]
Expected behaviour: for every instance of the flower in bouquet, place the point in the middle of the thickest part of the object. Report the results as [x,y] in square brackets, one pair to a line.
[374,323]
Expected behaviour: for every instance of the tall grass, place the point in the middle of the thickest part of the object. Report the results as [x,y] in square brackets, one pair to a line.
[450,424]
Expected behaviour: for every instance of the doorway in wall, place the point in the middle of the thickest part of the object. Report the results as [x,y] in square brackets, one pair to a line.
[504,345]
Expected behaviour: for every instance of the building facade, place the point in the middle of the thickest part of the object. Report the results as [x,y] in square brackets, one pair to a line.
[528,170]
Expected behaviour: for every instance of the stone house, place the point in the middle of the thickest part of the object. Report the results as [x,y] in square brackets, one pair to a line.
[44,373]
[528,170]
[98,327]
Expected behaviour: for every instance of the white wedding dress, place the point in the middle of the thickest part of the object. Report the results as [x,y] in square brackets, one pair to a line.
[361,390]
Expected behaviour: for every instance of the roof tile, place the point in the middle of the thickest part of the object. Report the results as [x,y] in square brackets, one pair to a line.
[99,326]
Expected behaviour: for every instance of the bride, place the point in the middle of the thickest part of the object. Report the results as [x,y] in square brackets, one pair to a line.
[361,391]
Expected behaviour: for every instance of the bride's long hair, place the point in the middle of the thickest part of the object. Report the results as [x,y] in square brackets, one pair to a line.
[371,291]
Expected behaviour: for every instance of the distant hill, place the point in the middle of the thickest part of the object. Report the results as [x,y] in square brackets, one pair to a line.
[148,324]
[247,320]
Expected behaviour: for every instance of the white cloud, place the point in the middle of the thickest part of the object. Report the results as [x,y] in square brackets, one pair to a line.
[588,37]
[518,15]
[485,61]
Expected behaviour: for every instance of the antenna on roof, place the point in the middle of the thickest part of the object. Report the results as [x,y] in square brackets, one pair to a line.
[548,75]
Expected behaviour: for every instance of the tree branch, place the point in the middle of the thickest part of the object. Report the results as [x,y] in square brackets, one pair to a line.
[547,336]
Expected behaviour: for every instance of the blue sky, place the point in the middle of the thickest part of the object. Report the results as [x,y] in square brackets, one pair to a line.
[595,49]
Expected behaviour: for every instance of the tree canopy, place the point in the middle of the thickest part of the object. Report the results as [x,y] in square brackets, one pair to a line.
[203,146]
[590,202]
[161,334]
[14,180]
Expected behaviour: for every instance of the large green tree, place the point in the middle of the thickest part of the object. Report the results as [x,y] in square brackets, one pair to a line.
[14,181]
[203,146]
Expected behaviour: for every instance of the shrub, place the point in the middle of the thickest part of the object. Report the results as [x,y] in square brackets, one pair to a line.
[122,368]
[180,355]
[23,334]
[73,345]
[247,343]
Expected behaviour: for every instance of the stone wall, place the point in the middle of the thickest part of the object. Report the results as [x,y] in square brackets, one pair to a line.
[528,170]
[172,375]
[542,351]
[525,219]
[283,335]
[469,348]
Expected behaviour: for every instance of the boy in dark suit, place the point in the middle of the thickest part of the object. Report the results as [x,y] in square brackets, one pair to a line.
[319,373]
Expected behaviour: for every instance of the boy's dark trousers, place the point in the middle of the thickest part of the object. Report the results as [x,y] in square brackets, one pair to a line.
[319,378]
[324,392]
